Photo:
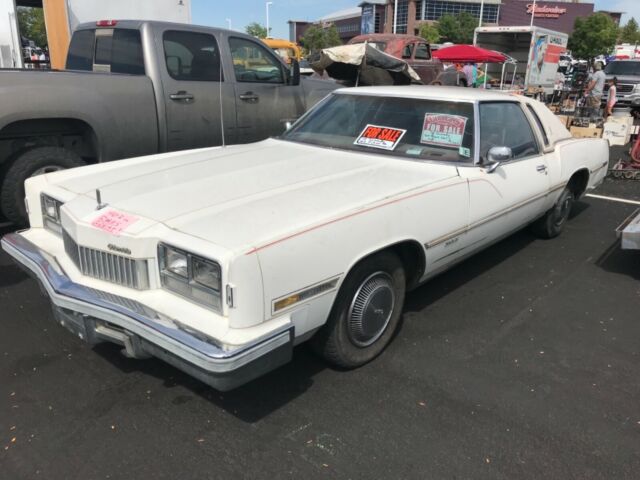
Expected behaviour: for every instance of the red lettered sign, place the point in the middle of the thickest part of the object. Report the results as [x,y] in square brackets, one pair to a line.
[376,136]
[443,130]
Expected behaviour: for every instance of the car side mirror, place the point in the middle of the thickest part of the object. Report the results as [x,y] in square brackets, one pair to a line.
[496,156]
[294,73]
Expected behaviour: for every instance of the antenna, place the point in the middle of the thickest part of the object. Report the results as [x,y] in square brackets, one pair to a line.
[224,143]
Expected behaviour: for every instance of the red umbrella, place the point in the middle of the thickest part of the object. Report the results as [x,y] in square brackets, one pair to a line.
[468,53]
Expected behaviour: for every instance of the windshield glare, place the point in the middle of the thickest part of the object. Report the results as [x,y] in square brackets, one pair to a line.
[623,68]
[402,127]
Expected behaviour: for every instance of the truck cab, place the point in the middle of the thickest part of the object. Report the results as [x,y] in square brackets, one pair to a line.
[416,51]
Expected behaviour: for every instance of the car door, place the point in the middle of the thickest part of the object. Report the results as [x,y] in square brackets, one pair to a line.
[423,64]
[508,196]
[265,102]
[196,93]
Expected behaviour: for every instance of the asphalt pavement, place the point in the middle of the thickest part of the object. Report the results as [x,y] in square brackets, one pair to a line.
[520,363]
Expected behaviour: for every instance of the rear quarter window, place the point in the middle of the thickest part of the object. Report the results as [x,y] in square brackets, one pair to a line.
[80,56]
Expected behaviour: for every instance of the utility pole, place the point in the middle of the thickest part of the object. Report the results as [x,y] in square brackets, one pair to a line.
[395,17]
[481,13]
[268,4]
[533,12]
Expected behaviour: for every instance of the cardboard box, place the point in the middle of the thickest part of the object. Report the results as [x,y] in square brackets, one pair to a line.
[586,132]
[617,133]
[627,120]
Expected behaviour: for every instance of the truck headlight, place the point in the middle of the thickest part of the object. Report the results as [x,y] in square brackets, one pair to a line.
[51,213]
[191,276]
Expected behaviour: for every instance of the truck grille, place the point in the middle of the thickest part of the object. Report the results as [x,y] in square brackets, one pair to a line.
[107,266]
[623,88]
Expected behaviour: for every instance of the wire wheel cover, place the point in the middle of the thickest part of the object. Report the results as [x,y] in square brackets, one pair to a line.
[371,309]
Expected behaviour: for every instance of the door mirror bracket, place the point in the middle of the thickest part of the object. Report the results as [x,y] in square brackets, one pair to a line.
[294,73]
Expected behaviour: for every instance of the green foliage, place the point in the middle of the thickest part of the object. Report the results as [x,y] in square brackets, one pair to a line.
[630,33]
[430,32]
[592,36]
[457,28]
[256,30]
[32,26]
[316,38]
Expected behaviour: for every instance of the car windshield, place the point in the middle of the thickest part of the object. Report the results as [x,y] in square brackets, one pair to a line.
[402,127]
[623,68]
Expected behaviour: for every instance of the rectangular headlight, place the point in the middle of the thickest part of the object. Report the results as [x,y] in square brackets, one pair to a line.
[191,276]
[51,213]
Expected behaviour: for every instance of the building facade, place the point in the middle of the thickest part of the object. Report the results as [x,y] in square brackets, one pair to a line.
[377,16]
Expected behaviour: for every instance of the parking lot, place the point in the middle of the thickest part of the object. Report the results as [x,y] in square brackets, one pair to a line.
[522,362]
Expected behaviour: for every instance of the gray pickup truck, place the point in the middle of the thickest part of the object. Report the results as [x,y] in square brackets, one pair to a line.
[628,74]
[135,88]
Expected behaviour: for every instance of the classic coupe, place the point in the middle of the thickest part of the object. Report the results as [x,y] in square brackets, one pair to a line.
[220,260]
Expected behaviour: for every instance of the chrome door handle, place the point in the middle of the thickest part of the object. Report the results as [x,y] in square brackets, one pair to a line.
[249,97]
[181,95]
[541,168]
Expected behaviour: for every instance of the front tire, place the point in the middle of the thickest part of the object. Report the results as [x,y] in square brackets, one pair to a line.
[553,222]
[366,312]
[36,161]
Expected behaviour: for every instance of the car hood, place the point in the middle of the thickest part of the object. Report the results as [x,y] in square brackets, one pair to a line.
[240,196]
[625,78]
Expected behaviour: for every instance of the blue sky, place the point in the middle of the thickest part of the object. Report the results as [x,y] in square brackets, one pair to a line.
[243,12]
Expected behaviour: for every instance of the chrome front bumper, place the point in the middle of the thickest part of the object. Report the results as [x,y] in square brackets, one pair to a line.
[96,316]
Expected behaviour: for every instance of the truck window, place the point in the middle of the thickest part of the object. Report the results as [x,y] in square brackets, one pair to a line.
[192,56]
[422,52]
[126,53]
[254,63]
[119,51]
[407,51]
[80,56]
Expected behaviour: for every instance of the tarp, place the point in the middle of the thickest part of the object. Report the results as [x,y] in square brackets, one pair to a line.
[363,64]
[468,53]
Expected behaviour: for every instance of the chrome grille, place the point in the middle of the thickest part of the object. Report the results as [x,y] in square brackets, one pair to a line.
[621,88]
[107,266]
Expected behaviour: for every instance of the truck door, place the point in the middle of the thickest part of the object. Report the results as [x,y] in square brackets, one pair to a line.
[423,63]
[264,100]
[195,89]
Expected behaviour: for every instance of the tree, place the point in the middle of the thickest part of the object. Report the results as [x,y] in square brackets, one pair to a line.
[430,32]
[457,28]
[32,26]
[316,38]
[448,28]
[256,30]
[629,33]
[592,36]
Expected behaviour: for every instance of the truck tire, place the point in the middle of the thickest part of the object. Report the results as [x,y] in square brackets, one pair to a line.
[36,161]
[551,225]
[365,314]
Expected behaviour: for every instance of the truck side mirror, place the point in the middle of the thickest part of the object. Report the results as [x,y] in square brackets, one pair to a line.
[294,73]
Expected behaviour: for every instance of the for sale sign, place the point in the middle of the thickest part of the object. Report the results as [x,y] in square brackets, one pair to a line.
[443,130]
[376,136]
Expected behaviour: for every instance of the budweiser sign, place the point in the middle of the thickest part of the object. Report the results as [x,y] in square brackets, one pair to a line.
[545,11]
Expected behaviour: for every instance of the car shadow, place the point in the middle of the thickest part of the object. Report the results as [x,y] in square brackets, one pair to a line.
[250,402]
[466,271]
[623,262]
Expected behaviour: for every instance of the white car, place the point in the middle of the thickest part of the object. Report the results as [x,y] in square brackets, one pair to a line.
[220,260]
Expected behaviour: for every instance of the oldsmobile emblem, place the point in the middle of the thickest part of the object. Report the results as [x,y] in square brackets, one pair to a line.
[115,248]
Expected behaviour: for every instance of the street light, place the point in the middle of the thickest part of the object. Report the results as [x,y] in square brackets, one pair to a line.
[268,4]
[395,17]
[481,13]
[533,12]
[229,23]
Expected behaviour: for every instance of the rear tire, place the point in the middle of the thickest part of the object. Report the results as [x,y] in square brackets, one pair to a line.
[551,225]
[366,312]
[33,162]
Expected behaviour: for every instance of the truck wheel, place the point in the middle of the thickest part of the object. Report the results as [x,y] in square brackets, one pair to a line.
[366,312]
[553,222]
[36,161]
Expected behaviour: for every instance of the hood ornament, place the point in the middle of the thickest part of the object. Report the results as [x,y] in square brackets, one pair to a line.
[99,200]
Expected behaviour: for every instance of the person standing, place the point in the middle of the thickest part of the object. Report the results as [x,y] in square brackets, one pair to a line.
[595,88]
[611,100]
